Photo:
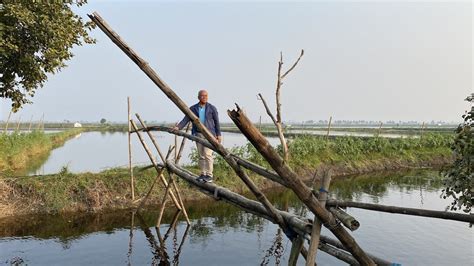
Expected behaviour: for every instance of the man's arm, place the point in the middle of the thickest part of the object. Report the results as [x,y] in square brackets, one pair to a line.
[182,123]
[216,123]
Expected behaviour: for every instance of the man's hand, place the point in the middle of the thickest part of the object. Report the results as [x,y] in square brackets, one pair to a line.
[175,129]
[219,139]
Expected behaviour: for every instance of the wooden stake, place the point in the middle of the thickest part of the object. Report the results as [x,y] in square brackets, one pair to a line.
[296,247]
[152,159]
[31,121]
[8,120]
[18,124]
[421,130]
[380,129]
[329,127]
[315,234]
[132,181]
[173,183]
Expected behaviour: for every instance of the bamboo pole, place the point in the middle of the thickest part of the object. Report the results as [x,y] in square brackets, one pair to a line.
[380,129]
[143,65]
[173,183]
[315,234]
[8,120]
[402,210]
[132,181]
[152,159]
[159,175]
[347,220]
[296,184]
[31,121]
[296,247]
[421,129]
[18,124]
[329,127]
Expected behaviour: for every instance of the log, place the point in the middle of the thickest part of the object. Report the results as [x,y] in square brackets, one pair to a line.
[296,184]
[347,220]
[402,210]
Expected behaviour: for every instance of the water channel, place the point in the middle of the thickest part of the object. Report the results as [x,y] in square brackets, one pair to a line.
[223,235]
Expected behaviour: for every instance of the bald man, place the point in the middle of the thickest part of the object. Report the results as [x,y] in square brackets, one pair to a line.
[209,117]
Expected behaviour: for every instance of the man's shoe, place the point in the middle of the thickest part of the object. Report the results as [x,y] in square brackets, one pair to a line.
[201,178]
[207,179]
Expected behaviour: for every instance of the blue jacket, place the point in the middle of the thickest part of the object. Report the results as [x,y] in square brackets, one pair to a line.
[211,122]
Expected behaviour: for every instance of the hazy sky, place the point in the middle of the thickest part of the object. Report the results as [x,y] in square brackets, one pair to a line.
[363,60]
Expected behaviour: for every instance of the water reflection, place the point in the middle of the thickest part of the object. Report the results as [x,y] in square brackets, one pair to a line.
[223,235]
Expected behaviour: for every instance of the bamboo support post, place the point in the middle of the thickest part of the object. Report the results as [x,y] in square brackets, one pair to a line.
[152,159]
[296,247]
[347,220]
[18,124]
[31,121]
[402,210]
[8,120]
[165,195]
[380,129]
[422,129]
[329,128]
[132,181]
[159,175]
[315,234]
[173,183]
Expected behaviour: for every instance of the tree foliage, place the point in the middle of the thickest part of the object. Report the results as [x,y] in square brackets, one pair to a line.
[459,177]
[36,40]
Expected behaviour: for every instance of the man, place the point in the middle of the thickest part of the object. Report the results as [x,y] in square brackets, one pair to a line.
[208,116]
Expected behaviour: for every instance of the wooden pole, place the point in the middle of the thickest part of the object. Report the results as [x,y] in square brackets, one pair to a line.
[402,210]
[329,127]
[380,129]
[296,184]
[347,220]
[31,121]
[152,159]
[173,183]
[296,247]
[18,124]
[315,234]
[8,120]
[421,129]
[132,181]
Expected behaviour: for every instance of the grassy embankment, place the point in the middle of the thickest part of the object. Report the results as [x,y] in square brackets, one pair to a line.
[19,151]
[110,189]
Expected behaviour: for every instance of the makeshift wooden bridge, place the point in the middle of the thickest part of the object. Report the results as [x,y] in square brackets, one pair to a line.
[327,212]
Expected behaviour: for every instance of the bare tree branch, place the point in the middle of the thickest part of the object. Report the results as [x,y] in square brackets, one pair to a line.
[294,65]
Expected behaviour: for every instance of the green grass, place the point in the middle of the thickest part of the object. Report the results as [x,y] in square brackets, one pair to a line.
[66,191]
[18,150]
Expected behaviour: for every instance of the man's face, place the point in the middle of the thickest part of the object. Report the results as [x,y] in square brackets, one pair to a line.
[202,97]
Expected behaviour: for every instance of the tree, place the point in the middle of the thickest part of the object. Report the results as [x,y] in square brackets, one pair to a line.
[102,121]
[459,177]
[36,40]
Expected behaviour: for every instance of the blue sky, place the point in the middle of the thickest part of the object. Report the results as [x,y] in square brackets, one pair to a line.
[363,60]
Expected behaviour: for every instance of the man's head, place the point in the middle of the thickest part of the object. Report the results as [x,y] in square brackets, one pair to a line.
[202,96]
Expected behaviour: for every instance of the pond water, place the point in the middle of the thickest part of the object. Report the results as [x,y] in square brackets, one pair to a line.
[97,151]
[223,235]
